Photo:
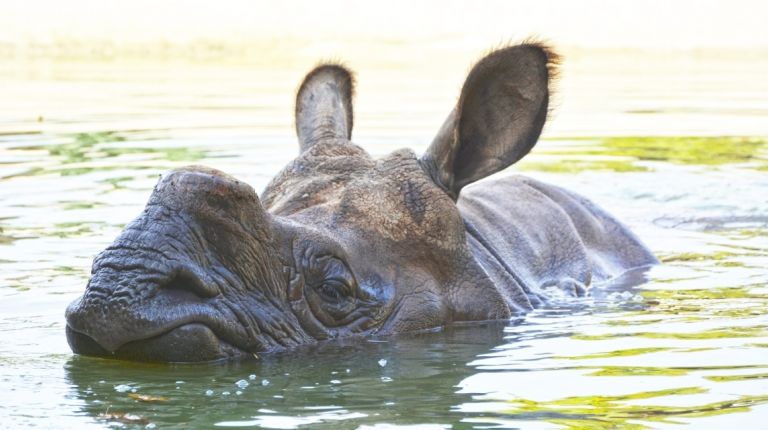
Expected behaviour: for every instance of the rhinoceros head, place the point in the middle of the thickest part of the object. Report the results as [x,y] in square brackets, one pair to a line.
[339,244]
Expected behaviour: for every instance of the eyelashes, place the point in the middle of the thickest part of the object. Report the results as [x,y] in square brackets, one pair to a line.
[333,290]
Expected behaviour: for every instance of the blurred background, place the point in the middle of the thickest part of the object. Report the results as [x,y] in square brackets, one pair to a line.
[657,68]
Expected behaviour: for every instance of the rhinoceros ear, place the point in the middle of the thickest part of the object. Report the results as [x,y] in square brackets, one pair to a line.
[498,118]
[324,105]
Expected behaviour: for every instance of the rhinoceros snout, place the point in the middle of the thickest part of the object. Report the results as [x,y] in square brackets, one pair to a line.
[193,278]
[176,317]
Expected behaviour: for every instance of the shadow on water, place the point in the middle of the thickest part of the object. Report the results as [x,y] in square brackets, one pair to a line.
[408,379]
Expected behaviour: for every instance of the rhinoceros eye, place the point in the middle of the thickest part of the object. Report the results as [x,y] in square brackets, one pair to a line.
[331,279]
[331,289]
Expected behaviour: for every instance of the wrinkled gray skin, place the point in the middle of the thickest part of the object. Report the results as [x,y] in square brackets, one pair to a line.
[341,244]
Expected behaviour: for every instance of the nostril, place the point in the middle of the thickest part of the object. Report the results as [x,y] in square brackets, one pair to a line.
[185,279]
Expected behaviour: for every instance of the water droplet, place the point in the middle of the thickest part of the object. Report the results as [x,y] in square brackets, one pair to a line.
[347,370]
[208,392]
[383,362]
[179,382]
[252,377]
[242,383]
[225,393]
[386,379]
[335,381]
[123,388]
[264,382]
[238,392]
[150,426]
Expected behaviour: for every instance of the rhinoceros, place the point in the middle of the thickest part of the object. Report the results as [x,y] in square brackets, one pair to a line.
[342,244]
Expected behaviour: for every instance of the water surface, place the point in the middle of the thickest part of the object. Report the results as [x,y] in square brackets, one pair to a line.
[81,146]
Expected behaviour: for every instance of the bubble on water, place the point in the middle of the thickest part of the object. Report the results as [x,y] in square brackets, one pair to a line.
[150,426]
[123,388]
[102,382]
[242,384]
[238,392]
[386,379]
[347,370]
[226,393]
[208,392]
[623,297]
[278,396]
[383,362]
[179,382]
[334,372]
[265,382]
[335,381]
[389,403]
[252,377]
[133,390]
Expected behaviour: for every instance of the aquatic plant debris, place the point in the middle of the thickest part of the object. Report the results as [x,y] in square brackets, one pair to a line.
[147,398]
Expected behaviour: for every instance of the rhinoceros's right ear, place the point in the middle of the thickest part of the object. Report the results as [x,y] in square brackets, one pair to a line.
[324,105]
[497,120]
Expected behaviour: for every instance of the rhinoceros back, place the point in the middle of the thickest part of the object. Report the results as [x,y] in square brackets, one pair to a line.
[542,235]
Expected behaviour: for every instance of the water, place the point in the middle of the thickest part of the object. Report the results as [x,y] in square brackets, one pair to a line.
[81,145]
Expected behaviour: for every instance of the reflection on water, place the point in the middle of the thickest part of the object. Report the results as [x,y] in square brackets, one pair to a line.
[405,381]
[639,154]
[82,145]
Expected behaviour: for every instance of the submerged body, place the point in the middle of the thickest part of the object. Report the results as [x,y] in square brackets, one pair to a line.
[592,246]
[342,244]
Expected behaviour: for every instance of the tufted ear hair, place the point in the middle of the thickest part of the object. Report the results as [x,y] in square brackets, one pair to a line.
[498,118]
[324,105]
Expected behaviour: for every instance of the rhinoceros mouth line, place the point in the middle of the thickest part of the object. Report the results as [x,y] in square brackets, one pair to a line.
[169,344]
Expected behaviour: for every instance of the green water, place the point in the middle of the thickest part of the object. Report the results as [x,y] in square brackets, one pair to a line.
[82,145]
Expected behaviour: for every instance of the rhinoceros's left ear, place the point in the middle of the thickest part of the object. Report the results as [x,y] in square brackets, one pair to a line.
[498,118]
[324,105]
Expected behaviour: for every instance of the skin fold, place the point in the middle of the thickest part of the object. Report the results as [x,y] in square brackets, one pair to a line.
[341,244]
